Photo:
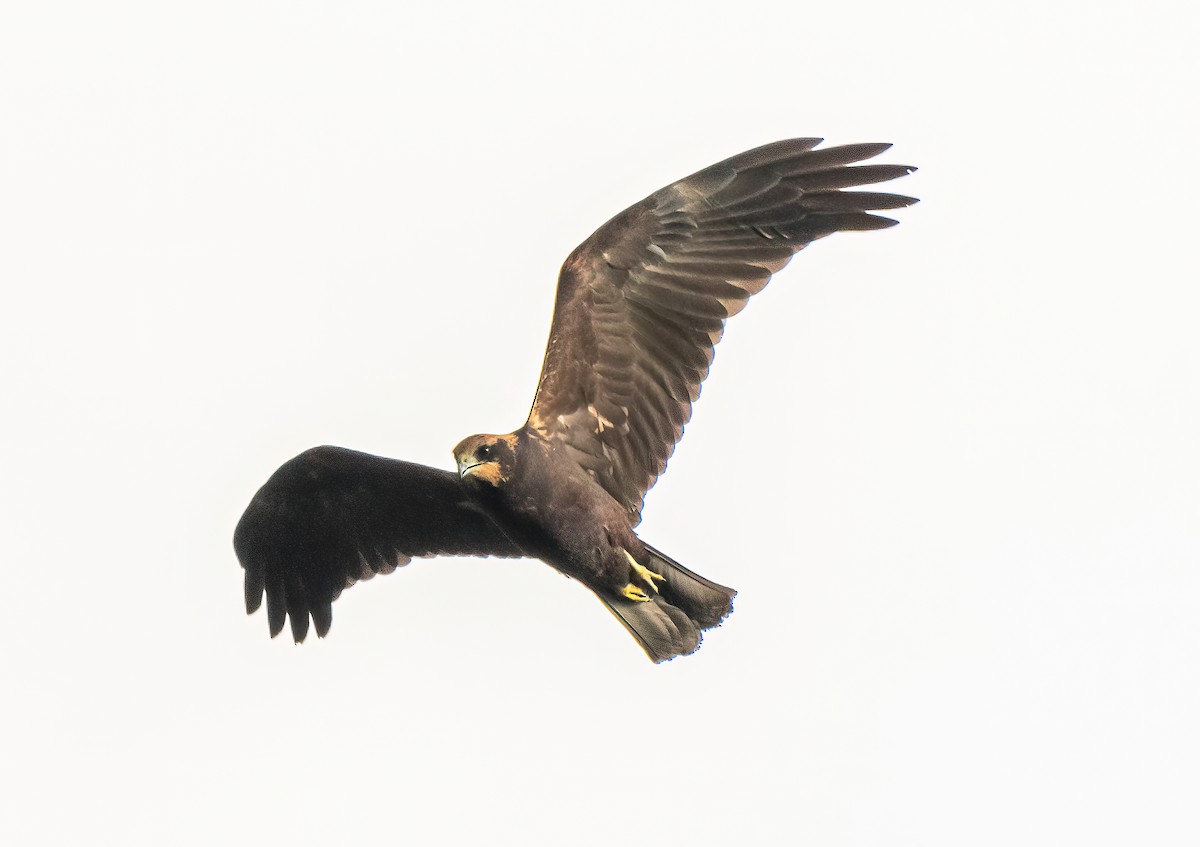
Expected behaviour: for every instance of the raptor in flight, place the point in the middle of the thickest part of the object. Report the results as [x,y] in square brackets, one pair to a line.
[641,304]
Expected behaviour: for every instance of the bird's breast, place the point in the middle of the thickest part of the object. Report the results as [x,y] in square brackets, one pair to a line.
[559,514]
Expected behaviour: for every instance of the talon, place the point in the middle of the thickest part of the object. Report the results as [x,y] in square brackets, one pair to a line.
[648,576]
[632,592]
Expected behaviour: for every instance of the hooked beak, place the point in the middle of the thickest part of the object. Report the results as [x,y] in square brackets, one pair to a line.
[463,470]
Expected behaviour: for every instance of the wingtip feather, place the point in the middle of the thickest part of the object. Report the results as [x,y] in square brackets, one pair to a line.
[322,616]
[299,622]
[253,589]
[276,610]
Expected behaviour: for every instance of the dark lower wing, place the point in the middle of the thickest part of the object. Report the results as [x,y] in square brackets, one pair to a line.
[331,517]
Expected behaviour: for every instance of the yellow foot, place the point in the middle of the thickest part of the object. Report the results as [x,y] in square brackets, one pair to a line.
[634,593]
[648,576]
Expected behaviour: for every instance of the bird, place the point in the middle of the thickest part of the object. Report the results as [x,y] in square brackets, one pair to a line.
[639,309]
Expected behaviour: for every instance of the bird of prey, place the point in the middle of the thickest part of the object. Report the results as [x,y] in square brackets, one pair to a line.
[640,306]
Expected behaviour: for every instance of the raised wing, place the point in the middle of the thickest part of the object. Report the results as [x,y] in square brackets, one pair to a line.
[331,517]
[644,300]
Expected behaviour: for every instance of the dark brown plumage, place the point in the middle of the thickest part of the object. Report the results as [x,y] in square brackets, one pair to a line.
[641,304]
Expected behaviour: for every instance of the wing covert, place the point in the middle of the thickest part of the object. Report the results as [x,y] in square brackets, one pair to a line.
[331,517]
[642,303]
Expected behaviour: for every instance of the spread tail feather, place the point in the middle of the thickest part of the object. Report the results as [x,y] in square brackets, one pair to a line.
[704,601]
[670,623]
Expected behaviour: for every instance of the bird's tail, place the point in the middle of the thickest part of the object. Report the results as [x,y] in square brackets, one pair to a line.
[670,623]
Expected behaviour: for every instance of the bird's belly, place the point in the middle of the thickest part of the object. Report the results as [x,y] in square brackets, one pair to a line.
[575,532]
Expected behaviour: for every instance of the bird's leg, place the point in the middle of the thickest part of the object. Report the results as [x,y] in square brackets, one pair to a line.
[633,591]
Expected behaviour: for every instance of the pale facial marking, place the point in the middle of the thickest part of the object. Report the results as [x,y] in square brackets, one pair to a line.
[479,456]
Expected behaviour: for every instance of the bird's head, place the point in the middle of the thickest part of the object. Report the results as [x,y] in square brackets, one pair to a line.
[489,458]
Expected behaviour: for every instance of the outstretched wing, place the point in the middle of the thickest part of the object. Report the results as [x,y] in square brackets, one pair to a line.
[644,300]
[331,517]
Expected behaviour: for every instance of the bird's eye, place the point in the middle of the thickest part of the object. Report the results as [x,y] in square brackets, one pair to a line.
[484,451]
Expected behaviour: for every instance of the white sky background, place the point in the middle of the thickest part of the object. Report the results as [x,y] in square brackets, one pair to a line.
[951,467]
